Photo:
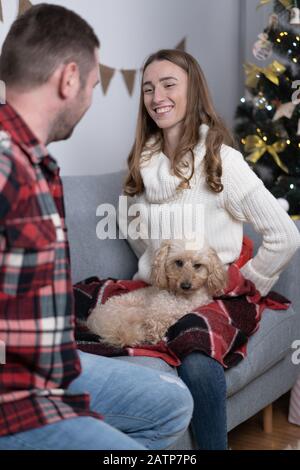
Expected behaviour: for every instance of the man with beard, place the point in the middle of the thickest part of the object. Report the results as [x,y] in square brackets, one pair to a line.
[49,64]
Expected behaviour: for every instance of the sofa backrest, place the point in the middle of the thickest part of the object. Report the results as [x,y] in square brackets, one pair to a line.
[91,256]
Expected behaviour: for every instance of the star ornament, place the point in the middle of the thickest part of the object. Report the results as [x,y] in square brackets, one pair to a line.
[284,110]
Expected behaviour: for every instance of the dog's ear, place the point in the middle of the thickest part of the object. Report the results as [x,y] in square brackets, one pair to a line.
[217,276]
[158,272]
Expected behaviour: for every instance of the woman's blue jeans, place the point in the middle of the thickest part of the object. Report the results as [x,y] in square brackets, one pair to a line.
[205,379]
[143,409]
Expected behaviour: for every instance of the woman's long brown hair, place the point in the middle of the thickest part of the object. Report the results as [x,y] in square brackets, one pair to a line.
[200,110]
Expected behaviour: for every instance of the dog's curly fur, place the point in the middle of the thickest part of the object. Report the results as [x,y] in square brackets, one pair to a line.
[182,280]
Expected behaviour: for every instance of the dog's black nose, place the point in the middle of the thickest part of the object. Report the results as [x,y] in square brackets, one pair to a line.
[185,285]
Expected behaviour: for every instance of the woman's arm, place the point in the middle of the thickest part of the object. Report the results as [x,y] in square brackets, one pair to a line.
[247,199]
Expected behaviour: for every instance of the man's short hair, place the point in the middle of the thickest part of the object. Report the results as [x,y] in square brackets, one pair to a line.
[42,39]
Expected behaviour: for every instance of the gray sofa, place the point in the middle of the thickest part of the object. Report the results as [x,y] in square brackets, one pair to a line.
[266,373]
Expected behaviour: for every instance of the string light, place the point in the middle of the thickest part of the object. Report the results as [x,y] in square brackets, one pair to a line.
[288,141]
[265,138]
[243,100]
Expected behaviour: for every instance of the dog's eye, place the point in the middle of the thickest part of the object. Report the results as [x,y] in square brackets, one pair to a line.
[179,263]
[197,265]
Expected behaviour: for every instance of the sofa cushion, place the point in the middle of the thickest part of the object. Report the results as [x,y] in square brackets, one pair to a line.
[91,256]
[270,344]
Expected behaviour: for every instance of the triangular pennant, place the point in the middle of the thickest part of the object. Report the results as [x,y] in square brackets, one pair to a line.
[1,14]
[129,78]
[106,74]
[181,45]
[23,6]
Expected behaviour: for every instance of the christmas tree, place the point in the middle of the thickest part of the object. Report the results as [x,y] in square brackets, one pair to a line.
[268,117]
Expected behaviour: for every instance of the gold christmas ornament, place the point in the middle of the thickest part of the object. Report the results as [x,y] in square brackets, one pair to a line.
[257,147]
[271,72]
[285,3]
[260,101]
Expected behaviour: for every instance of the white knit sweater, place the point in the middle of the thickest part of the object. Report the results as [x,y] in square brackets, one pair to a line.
[244,199]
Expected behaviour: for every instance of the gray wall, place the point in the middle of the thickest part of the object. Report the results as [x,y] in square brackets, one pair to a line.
[219,33]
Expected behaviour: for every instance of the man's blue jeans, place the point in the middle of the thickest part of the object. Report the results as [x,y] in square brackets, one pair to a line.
[143,409]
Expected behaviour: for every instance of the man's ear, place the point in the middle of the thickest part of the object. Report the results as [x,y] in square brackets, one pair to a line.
[69,83]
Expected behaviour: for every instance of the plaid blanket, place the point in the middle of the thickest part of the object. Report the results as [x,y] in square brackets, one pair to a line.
[220,329]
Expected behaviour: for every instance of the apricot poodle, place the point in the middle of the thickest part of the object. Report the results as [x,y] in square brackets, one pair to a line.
[181,279]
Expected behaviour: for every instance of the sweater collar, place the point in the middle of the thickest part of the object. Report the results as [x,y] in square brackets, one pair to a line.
[160,184]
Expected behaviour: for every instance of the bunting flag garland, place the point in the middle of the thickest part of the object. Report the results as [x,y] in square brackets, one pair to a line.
[129,78]
[129,75]
[181,45]
[23,6]
[106,74]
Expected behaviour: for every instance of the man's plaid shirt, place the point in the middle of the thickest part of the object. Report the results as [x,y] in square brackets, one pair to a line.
[36,305]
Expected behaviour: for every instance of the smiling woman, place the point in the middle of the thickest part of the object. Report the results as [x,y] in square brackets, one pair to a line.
[183,155]
[175,101]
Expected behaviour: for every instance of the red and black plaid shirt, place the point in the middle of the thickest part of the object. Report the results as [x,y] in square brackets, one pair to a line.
[36,305]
